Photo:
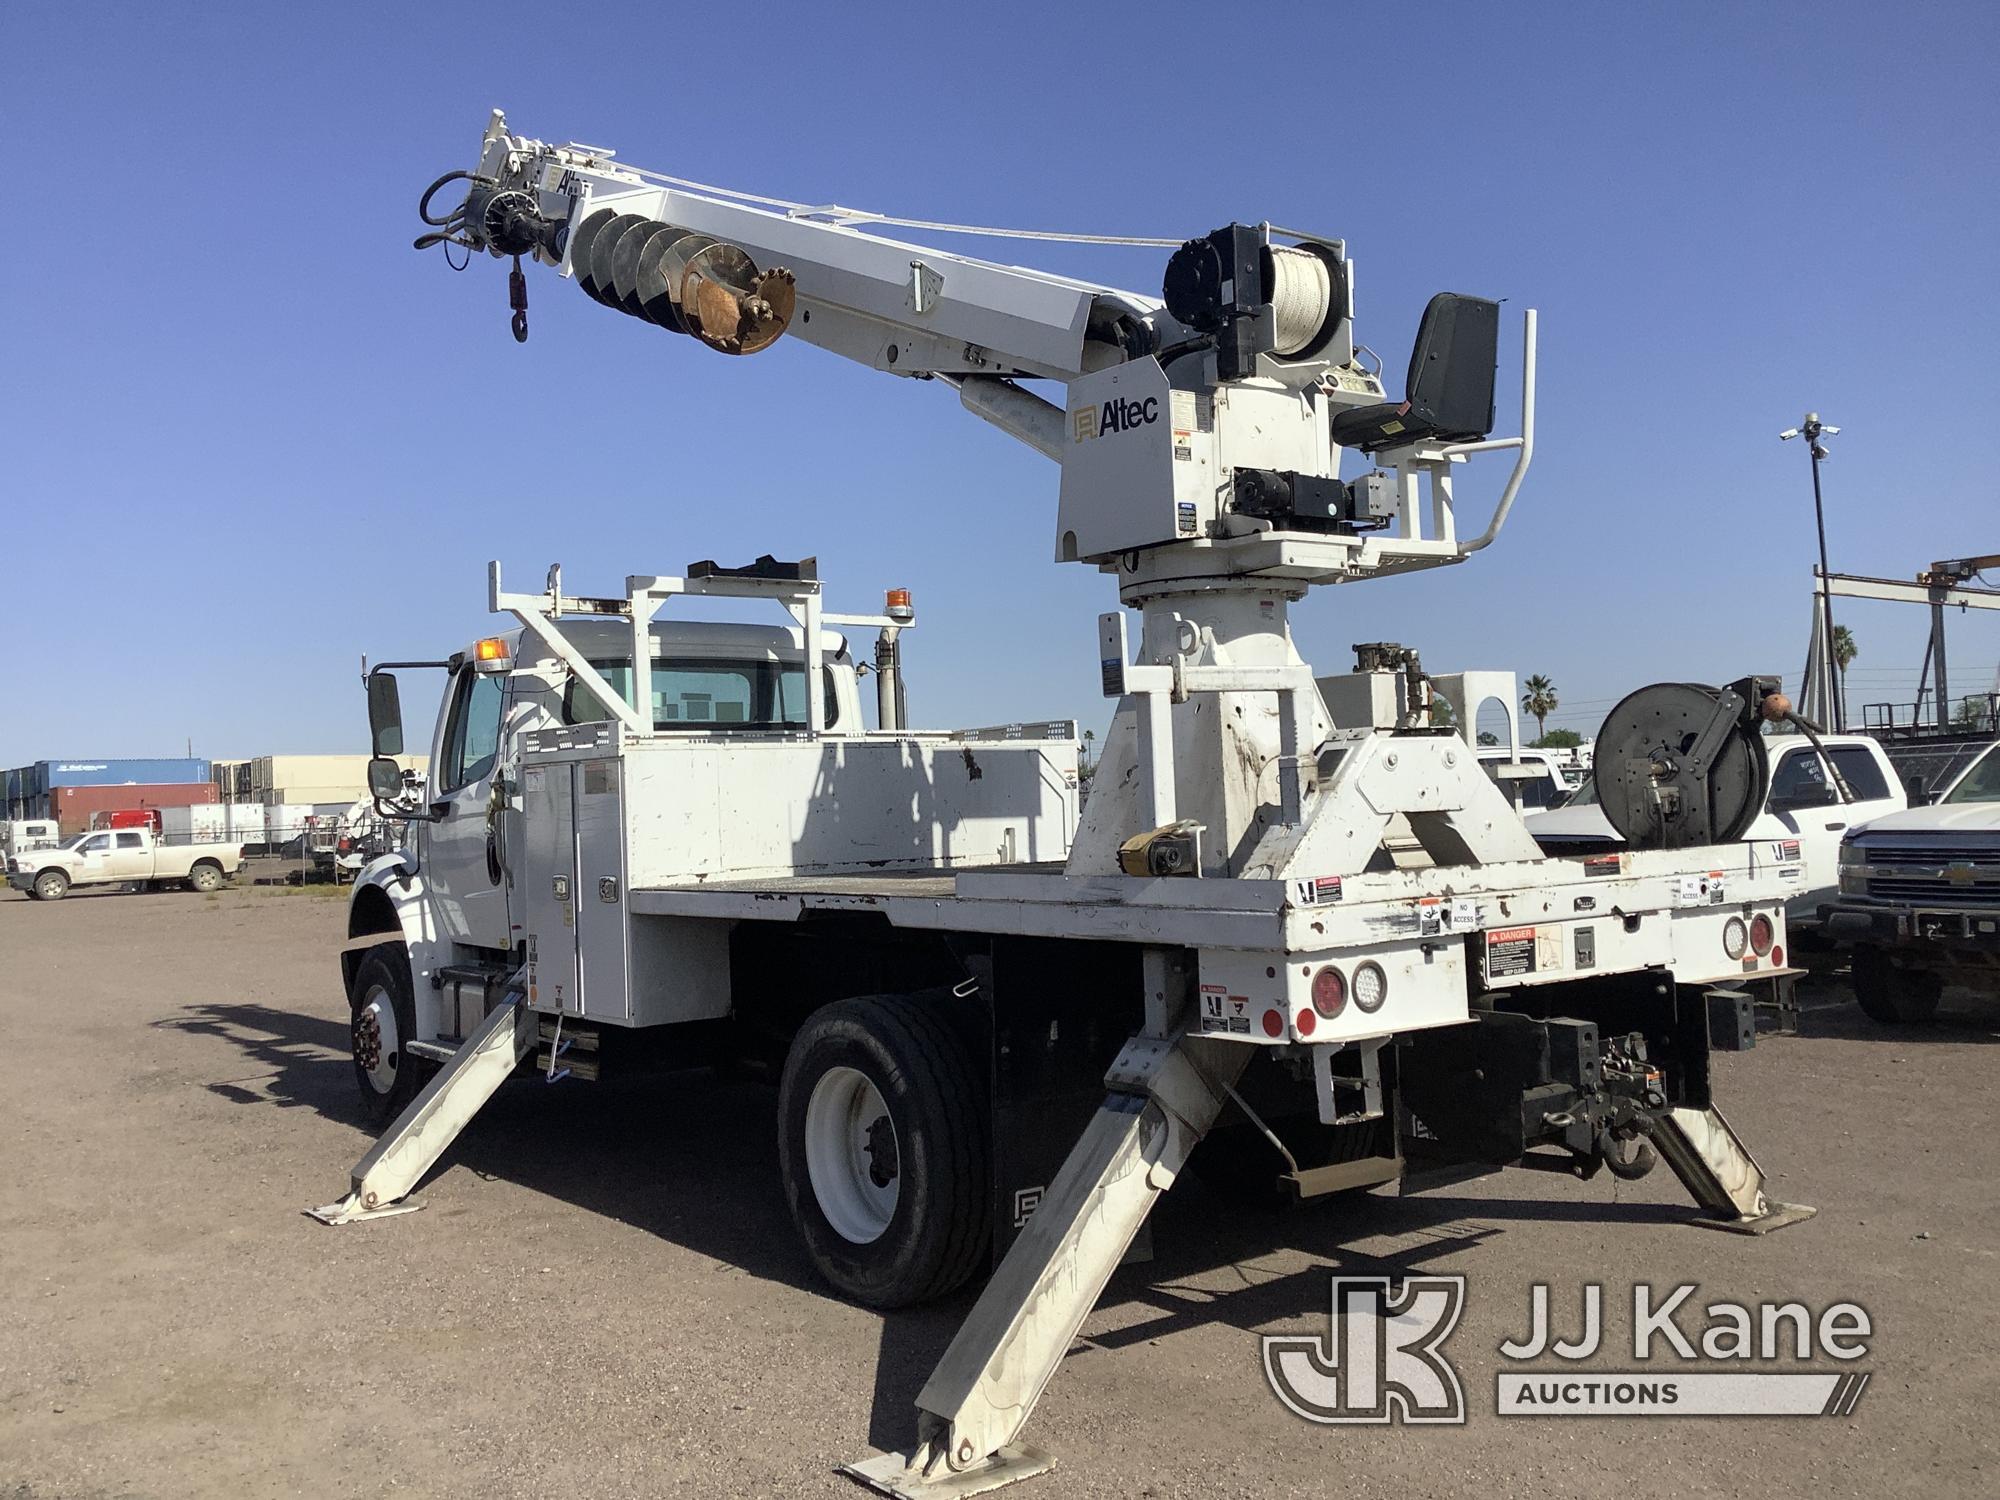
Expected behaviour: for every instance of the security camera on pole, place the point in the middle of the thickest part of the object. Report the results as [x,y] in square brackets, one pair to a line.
[1814,431]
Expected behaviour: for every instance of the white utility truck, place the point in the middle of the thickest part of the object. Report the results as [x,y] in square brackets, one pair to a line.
[121,856]
[1003,1027]
[1919,900]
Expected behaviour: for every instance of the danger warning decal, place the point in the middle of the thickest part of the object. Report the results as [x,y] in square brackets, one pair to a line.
[1602,864]
[1224,1012]
[1510,951]
[1320,892]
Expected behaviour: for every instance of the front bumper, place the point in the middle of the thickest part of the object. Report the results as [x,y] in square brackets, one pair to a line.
[1853,921]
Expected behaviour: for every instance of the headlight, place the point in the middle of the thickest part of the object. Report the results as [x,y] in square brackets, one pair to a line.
[1852,853]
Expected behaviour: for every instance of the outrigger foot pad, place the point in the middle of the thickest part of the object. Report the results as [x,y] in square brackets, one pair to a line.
[901,1476]
[1775,1216]
[349,1209]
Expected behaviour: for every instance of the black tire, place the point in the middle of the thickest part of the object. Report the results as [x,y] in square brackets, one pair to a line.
[206,875]
[51,885]
[935,1090]
[1890,995]
[384,970]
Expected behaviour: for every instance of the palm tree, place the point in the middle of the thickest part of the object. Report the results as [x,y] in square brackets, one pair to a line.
[1540,700]
[1844,651]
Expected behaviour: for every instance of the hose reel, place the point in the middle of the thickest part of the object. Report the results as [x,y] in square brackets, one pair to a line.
[1681,764]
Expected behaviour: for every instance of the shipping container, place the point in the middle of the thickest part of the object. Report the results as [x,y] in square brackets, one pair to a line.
[197,823]
[222,775]
[341,792]
[74,806]
[246,822]
[57,773]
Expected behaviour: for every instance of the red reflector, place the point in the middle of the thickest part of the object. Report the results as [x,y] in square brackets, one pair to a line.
[1329,992]
[1274,1024]
[1762,934]
[1778,957]
[1305,1023]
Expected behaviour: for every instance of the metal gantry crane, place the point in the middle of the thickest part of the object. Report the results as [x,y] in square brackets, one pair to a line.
[1943,584]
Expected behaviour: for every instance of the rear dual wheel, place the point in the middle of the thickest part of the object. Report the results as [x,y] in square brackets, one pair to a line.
[883,1148]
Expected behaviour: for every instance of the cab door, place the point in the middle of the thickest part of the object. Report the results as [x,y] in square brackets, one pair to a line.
[95,854]
[464,863]
[130,858]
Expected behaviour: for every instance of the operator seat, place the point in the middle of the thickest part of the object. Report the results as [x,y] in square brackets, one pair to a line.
[1449,390]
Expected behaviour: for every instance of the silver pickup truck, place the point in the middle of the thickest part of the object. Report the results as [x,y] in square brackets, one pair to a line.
[1919,902]
[120,856]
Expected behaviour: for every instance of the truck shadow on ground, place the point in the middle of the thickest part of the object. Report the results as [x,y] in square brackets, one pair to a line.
[304,1059]
[692,1158]
[1962,1018]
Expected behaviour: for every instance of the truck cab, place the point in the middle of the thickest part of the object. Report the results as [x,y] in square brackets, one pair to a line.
[449,891]
[1540,778]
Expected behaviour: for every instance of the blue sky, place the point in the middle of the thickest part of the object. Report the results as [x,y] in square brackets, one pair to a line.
[253,435]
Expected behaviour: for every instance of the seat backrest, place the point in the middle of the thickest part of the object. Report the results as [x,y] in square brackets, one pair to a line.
[1450,385]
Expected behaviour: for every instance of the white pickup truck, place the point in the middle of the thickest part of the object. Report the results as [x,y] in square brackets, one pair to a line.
[120,856]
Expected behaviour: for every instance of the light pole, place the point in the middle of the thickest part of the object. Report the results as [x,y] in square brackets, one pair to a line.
[1813,430]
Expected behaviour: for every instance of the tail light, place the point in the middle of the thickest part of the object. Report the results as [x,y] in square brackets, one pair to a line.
[1762,934]
[1735,938]
[1329,992]
[1371,987]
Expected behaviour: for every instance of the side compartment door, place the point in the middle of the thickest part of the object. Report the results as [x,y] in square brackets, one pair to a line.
[463,863]
[602,938]
[547,873]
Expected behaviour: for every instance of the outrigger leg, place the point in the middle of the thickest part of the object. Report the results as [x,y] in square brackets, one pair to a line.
[1166,1089]
[1715,1166]
[410,1147]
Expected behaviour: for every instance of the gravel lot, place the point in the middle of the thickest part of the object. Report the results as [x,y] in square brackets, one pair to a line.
[603,1296]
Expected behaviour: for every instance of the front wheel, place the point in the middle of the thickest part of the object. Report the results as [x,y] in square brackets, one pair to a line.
[883,1148]
[51,885]
[384,1019]
[1892,995]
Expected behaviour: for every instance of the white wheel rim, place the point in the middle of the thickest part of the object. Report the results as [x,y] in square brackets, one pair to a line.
[375,1026]
[851,1147]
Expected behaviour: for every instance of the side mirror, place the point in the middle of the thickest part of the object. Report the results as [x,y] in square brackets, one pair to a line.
[385,777]
[1913,786]
[385,720]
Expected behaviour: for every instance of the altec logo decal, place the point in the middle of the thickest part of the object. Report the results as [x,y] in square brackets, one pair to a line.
[1115,415]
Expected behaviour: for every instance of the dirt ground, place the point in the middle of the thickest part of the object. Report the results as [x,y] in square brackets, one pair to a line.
[603,1296]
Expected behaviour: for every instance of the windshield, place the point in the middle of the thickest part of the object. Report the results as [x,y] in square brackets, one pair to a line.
[711,693]
[74,841]
[1981,783]
[1585,795]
